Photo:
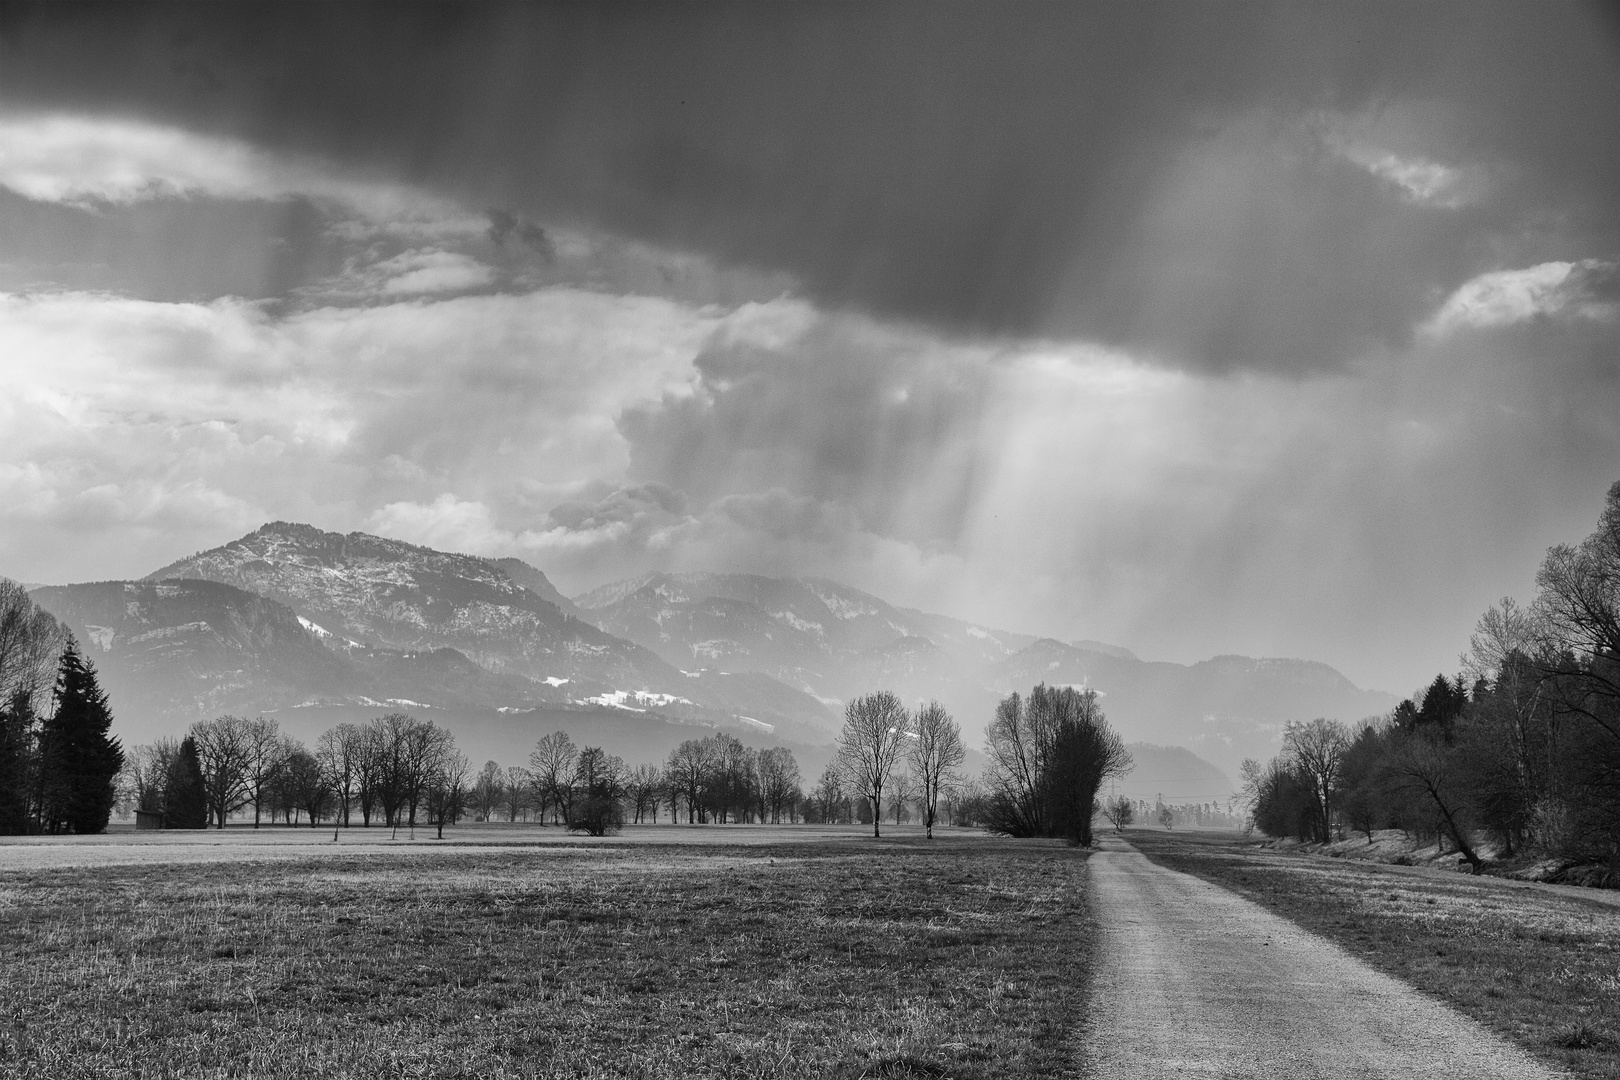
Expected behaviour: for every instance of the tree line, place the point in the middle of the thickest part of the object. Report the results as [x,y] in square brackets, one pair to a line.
[397,770]
[394,769]
[710,780]
[1519,753]
[58,761]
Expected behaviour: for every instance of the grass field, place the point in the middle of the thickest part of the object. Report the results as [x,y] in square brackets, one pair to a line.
[1540,966]
[842,957]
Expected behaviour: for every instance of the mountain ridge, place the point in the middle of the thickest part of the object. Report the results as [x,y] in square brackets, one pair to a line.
[835,641]
[404,596]
[693,646]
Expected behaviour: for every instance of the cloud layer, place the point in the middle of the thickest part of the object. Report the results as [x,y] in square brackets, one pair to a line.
[1256,186]
[1190,329]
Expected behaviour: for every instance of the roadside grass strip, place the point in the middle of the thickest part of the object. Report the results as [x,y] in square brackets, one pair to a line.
[1539,967]
[841,960]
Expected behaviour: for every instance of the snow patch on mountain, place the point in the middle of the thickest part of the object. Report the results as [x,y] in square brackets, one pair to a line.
[621,699]
[799,624]
[841,607]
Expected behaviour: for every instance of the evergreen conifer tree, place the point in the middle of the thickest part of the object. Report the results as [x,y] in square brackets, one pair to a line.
[185,802]
[18,764]
[79,760]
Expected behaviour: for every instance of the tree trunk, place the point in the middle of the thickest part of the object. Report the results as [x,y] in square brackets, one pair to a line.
[1463,846]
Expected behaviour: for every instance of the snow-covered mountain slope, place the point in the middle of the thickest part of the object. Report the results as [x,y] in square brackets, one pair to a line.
[411,624]
[818,634]
[178,650]
[536,582]
[394,595]
[836,642]
[290,614]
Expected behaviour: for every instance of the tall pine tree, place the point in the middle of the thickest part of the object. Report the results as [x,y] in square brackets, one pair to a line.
[19,732]
[185,803]
[79,761]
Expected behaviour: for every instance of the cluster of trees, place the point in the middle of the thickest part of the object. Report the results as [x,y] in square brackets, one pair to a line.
[879,737]
[59,763]
[890,761]
[399,770]
[1520,751]
[1122,811]
[715,779]
[395,768]
[1049,755]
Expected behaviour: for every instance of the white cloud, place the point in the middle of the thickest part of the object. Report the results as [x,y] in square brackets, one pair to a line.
[1421,181]
[1066,489]
[447,523]
[89,160]
[1505,297]
[114,409]
[430,272]
[1418,178]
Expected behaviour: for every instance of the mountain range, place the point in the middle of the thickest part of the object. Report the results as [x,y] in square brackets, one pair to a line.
[293,617]
[836,642]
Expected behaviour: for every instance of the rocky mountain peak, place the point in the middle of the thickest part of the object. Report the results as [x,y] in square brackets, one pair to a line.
[392,594]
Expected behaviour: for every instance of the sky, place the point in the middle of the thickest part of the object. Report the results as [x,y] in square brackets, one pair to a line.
[1275,329]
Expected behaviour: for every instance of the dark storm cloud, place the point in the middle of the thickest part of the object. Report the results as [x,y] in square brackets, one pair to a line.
[1151,175]
[514,234]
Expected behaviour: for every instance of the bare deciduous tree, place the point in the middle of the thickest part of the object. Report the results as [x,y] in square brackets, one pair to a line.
[936,751]
[1419,765]
[902,790]
[1120,812]
[778,781]
[1316,750]
[225,754]
[488,790]
[146,774]
[552,764]
[1049,755]
[445,788]
[689,767]
[267,754]
[829,800]
[645,789]
[599,786]
[31,640]
[519,784]
[306,785]
[870,745]
[340,751]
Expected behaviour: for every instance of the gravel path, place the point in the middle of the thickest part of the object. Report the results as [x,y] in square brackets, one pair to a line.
[1194,980]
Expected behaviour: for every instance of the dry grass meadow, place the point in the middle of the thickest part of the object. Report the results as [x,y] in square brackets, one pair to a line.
[1539,965]
[736,952]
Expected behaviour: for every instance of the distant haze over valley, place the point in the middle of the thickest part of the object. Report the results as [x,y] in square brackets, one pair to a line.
[308,624]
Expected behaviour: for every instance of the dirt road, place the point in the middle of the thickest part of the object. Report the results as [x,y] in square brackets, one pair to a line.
[1194,980]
